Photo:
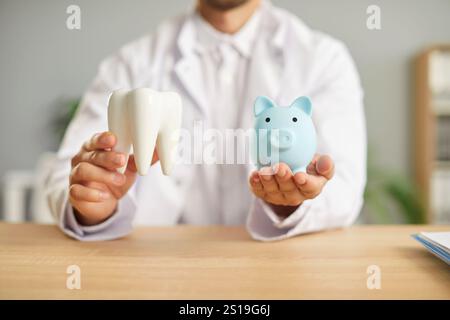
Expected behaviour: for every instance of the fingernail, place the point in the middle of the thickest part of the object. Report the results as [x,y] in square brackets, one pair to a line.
[323,164]
[118,178]
[266,177]
[104,195]
[299,179]
[119,159]
[266,171]
[281,173]
[105,139]
[255,179]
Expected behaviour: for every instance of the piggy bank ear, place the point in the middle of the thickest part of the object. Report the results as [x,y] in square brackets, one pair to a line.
[262,103]
[303,103]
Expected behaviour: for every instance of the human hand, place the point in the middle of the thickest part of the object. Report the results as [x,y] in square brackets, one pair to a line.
[95,186]
[284,191]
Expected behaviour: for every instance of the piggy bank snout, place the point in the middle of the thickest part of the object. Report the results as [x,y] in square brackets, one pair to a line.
[281,138]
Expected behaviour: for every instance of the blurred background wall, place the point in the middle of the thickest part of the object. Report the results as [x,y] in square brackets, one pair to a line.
[43,64]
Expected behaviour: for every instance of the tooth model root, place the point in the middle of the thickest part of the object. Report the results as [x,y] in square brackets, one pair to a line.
[144,118]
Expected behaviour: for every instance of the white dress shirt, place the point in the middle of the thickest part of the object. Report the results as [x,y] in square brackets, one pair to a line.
[218,77]
[224,63]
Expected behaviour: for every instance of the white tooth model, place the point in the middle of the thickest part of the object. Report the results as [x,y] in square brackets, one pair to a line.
[145,118]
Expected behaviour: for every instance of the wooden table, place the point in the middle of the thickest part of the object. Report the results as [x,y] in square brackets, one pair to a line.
[187,262]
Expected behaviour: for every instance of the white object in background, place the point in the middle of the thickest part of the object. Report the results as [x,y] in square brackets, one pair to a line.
[143,118]
[438,73]
[39,209]
[441,106]
[16,183]
[440,189]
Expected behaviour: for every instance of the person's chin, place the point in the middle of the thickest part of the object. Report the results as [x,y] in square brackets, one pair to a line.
[224,5]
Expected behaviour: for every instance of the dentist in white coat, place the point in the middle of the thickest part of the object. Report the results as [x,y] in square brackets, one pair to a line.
[219,58]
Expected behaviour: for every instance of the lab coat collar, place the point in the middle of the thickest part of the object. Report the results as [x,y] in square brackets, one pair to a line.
[187,67]
[187,38]
[209,38]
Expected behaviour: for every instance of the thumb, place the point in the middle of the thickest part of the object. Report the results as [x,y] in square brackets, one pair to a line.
[325,167]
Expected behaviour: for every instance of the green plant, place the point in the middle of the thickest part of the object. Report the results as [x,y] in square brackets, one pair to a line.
[64,116]
[390,196]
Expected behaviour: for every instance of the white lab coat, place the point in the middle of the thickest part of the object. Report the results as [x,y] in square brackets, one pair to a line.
[289,60]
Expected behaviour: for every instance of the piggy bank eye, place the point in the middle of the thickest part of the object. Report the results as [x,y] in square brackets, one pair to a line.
[267,119]
[294,119]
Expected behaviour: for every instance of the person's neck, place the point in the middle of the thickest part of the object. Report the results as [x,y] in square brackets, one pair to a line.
[228,21]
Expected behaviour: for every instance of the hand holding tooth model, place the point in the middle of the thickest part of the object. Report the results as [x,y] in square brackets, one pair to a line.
[103,170]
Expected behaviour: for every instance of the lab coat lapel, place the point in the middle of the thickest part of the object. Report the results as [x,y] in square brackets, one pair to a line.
[187,68]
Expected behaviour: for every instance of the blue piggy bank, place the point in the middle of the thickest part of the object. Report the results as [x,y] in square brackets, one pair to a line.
[284,134]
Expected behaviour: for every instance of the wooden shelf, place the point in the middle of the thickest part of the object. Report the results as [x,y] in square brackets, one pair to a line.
[429,108]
